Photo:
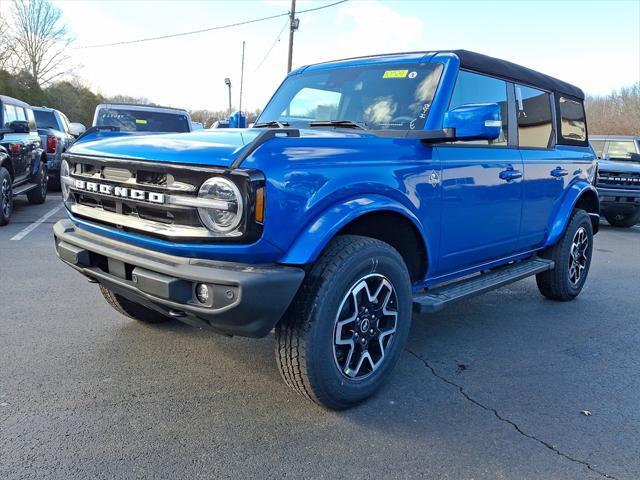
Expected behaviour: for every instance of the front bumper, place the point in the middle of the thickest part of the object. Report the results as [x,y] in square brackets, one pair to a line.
[625,198]
[246,300]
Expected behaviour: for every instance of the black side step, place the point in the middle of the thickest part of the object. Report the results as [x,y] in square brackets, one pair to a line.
[27,187]
[437,298]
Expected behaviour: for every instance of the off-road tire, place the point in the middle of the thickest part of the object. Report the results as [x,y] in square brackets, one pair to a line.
[305,350]
[556,284]
[625,220]
[6,196]
[131,309]
[39,195]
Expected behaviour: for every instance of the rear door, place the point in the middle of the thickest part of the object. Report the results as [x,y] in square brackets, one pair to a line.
[549,169]
[481,184]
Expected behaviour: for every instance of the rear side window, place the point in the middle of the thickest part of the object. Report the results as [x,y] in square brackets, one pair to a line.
[31,119]
[573,126]
[9,115]
[475,88]
[598,146]
[20,114]
[535,126]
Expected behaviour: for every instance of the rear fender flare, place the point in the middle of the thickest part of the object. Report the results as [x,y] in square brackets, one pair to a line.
[563,213]
[308,245]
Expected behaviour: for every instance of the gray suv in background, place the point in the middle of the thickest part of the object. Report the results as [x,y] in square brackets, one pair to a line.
[618,178]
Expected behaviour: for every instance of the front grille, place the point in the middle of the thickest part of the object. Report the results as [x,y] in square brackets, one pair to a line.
[612,179]
[144,215]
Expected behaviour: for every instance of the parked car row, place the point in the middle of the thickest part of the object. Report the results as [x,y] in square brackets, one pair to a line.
[618,178]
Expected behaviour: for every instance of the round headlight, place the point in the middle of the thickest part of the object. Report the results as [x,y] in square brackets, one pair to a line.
[228,215]
[64,176]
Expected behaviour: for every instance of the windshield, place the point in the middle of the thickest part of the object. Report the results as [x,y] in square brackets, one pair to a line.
[621,149]
[377,96]
[46,119]
[142,121]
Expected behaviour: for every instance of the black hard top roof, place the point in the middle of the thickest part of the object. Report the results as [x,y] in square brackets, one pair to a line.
[496,67]
[502,68]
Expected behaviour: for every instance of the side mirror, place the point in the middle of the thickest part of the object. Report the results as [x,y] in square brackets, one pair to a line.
[634,157]
[76,129]
[19,126]
[479,121]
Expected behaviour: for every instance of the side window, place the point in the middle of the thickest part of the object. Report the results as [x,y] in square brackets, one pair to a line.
[9,115]
[20,114]
[573,125]
[598,146]
[535,126]
[315,104]
[475,88]
[31,119]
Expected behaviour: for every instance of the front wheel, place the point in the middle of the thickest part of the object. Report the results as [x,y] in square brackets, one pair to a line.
[348,324]
[572,258]
[625,220]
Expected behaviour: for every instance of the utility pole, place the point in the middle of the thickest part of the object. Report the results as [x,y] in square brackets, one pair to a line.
[241,78]
[227,82]
[294,23]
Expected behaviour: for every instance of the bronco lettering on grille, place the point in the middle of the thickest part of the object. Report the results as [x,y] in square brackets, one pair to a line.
[120,192]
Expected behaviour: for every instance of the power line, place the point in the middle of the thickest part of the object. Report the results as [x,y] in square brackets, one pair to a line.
[204,30]
[273,45]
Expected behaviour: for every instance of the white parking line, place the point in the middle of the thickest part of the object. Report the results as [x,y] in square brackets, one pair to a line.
[26,231]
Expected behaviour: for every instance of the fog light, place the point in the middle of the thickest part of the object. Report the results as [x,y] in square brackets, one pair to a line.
[202,293]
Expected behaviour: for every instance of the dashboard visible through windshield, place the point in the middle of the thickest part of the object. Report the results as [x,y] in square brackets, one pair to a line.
[377,97]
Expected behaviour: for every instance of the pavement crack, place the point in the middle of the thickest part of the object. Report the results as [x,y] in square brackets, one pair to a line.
[506,420]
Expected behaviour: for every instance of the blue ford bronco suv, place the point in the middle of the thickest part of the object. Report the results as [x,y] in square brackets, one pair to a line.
[368,189]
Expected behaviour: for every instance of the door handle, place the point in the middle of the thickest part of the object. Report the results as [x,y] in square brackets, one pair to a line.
[510,174]
[559,172]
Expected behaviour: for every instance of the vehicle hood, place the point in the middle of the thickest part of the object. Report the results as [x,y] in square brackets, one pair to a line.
[218,147]
[618,166]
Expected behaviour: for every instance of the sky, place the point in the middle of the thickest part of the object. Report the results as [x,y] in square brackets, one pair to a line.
[593,44]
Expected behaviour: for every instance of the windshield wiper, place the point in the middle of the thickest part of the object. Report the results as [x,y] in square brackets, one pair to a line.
[272,123]
[338,123]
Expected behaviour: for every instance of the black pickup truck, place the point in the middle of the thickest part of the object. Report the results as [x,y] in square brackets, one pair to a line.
[23,163]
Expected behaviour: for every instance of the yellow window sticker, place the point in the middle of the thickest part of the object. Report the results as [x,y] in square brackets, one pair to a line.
[395,74]
[140,121]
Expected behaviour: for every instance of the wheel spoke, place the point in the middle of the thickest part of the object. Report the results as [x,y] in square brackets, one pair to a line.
[365,325]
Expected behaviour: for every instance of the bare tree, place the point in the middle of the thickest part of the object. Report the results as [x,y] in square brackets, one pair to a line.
[5,51]
[40,40]
[615,113]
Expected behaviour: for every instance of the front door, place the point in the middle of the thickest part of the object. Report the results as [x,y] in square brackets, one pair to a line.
[481,185]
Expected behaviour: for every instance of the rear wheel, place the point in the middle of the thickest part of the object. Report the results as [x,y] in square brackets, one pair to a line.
[572,258]
[348,325]
[6,196]
[132,309]
[39,195]
[625,220]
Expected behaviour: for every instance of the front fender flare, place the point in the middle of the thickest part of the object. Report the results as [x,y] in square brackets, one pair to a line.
[563,213]
[308,245]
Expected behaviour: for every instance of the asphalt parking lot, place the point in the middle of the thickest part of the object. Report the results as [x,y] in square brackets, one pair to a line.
[489,389]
